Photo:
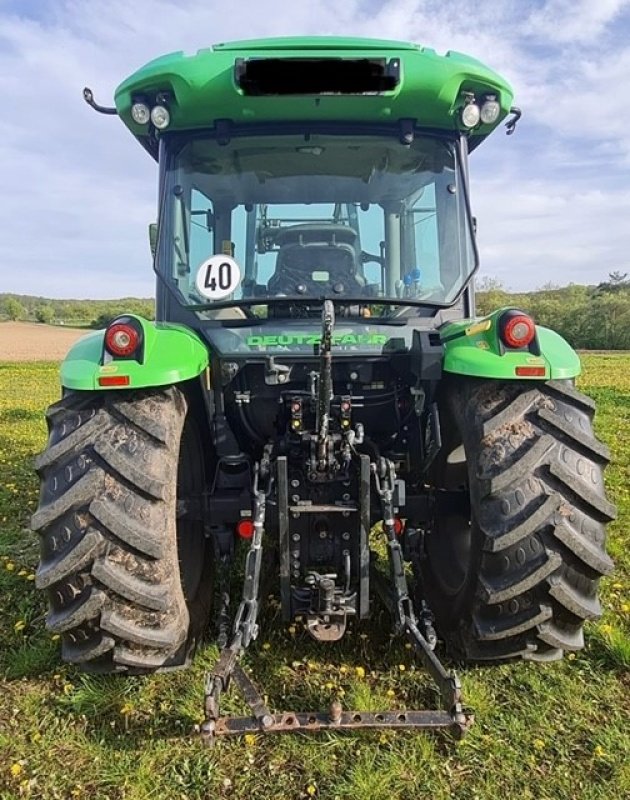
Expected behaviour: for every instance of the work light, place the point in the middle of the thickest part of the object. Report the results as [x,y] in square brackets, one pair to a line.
[470,115]
[160,117]
[140,113]
[490,110]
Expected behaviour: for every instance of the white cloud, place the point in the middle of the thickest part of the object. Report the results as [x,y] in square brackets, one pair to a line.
[78,191]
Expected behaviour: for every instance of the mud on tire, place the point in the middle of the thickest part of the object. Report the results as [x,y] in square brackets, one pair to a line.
[109,532]
[530,539]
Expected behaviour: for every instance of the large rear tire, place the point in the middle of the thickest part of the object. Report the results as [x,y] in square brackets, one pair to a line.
[123,555]
[513,560]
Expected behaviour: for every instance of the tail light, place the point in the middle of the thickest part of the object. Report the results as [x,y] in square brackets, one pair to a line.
[245,529]
[122,338]
[517,329]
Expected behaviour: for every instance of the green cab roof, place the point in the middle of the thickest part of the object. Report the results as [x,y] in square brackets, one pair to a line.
[203,87]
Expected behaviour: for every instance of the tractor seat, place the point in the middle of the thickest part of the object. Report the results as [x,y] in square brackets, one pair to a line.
[314,260]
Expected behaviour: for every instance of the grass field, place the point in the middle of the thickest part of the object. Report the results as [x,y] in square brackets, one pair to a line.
[555,731]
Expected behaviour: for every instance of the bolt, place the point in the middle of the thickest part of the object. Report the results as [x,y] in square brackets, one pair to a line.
[295,483]
[345,535]
[295,514]
[296,565]
[345,496]
[335,711]
[267,721]
[295,498]
[323,534]
[345,513]
[296,537]
[296,573]
[295,553]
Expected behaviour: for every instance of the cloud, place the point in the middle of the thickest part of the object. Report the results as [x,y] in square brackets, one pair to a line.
[78,191]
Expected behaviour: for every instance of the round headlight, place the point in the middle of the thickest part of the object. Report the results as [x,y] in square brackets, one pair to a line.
[140,113]
[490,111]
[470,115]
[160,117]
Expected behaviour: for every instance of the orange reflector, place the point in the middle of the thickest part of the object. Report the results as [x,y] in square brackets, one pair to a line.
[399,526]
[113,380]
[245,528]
[530,372]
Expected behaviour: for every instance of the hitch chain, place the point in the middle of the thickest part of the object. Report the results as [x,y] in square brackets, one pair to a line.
[420,632]
[245,629]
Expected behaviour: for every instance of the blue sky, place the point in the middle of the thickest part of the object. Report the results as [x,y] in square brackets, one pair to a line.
[553,201]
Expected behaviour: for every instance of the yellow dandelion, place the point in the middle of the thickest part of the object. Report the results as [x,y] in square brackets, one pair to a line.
[329,685]
[22,573]
[311,790]
[36,737]
[618,586]
[402,667]
[390,693]
[605,629]
[599,751]
[382,739]
[360,672]
[126,709]
[266,646]
[539,744]
[571,656]
[9,566]
[292,630]
[55,637]
[343,669]
[20,625]
[67,688]
[625,608]
[250,739]
[30,577]
[16,769]
[407,645]
[312,666]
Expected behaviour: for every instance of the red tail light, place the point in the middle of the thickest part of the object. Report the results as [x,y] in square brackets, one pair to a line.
[122,339]
[399,526]
[517,329]
[245,528]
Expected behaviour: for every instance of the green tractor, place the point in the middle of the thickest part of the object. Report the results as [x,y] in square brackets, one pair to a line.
[316,377]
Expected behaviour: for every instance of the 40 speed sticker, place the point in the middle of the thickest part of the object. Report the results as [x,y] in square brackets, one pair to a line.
[218,277]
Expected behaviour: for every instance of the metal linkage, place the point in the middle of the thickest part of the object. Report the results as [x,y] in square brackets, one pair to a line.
[420,633]
[245,627]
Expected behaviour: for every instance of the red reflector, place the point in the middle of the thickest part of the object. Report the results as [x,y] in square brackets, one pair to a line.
[121,339]
[518,330]
[530,372]
[114,380]
[245,528]
[399,526]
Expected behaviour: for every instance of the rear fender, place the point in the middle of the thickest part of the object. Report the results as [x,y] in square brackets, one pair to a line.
[472,347]
[170,354]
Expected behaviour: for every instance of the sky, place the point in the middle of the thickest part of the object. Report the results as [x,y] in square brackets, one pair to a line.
[552,201]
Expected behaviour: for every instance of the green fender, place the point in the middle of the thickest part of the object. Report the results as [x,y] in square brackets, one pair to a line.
[472,347]
[172,353]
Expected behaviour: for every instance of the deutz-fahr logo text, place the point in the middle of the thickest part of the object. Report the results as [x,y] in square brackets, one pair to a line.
[338,339]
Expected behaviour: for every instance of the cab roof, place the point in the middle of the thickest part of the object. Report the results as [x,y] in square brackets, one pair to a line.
[322,79]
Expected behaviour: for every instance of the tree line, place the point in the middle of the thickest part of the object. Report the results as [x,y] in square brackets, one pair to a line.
[588,317]
[75,313]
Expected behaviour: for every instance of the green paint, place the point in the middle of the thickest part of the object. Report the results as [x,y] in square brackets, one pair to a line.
[338,339]
[172,353]
[480,355]
[203,87]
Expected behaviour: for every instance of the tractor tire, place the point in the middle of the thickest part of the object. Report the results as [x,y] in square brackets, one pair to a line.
[512,562]
[125,567]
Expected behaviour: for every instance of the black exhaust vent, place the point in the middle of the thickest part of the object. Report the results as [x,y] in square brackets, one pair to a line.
[297,76]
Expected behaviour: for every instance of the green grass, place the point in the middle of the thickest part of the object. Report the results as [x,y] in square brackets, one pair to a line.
[556,731]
